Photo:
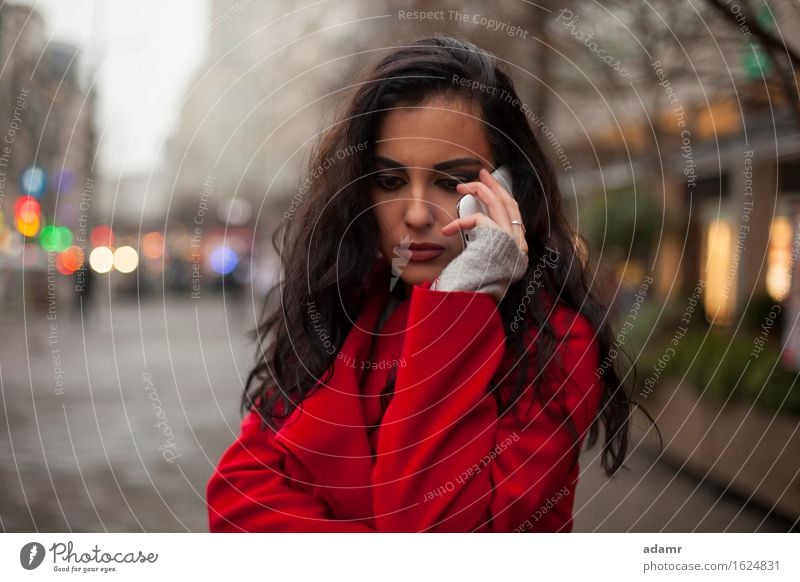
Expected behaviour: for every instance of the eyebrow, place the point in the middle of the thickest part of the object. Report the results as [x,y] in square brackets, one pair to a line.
[449,164]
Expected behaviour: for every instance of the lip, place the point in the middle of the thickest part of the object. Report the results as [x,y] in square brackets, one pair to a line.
[419,251]
[425,246]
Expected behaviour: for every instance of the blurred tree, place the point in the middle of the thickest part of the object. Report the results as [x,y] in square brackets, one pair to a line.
[783,58]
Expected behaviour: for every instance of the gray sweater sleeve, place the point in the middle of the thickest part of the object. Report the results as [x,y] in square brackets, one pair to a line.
[490,263]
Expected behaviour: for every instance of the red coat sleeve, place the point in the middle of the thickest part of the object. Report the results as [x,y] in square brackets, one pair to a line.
[248,492]
[445,461]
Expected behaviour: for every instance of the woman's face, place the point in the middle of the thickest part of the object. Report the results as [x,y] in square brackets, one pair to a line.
[421,155]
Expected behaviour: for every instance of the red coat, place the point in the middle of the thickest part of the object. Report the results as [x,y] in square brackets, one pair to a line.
[440,459]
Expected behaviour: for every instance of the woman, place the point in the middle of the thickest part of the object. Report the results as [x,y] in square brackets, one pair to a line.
[407,381]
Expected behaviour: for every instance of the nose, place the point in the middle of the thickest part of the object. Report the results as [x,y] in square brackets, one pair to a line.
[419,211]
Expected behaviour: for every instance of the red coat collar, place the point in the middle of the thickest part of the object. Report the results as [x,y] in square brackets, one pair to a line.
[326,433]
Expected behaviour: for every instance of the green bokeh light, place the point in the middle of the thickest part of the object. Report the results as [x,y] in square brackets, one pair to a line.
[55,238]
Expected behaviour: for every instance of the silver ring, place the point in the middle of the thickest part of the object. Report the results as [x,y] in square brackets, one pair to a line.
[519,223]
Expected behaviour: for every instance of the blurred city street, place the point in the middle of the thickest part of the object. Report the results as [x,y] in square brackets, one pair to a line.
[89,459]
[160,164]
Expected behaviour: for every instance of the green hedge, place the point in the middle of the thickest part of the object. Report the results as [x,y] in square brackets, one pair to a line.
[713,362]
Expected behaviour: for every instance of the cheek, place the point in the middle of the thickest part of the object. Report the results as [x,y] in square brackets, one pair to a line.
[449,209]
[443,204]
[386,222]
[382,217]
[388,214]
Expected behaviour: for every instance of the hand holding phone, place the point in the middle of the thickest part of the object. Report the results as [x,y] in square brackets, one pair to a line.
[471,204]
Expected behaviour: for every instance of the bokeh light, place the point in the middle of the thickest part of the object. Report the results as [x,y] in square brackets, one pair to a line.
[33,181]
[11,242]
[55,238]
[101,259]
[223,260]
[63,180]
[235,212]
[70,260]
[153,245]
[126,259]
[102,236]
[28,228]
[27,208]
[182,247]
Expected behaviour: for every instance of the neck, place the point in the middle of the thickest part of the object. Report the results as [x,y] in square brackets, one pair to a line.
[391,303]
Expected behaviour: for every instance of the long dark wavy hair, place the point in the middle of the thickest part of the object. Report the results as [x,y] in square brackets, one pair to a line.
[329,240]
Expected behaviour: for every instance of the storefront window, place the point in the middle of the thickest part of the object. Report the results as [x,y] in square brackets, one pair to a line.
[720,295]
[779,258]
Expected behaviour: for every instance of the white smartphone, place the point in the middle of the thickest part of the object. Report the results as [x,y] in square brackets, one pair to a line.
[471,204]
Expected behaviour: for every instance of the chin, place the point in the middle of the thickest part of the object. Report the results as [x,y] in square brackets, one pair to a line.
[414,274]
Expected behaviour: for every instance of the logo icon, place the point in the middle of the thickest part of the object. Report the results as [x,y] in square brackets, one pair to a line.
[31,555]
[402,256]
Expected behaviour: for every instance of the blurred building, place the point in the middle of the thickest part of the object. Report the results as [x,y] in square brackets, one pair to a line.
[46,157]
[258,100]
[699,129]
[22,41]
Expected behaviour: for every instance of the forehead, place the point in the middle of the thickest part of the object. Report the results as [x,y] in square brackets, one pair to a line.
[439,128]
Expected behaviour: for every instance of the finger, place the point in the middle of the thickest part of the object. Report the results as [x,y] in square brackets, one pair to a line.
[512,207]
[465,223]
[495,185]
[523,244]
[497,210]
[473,220]
[519,237]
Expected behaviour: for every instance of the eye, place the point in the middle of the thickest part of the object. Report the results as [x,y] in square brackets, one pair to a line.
[388,182]
[452,183]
